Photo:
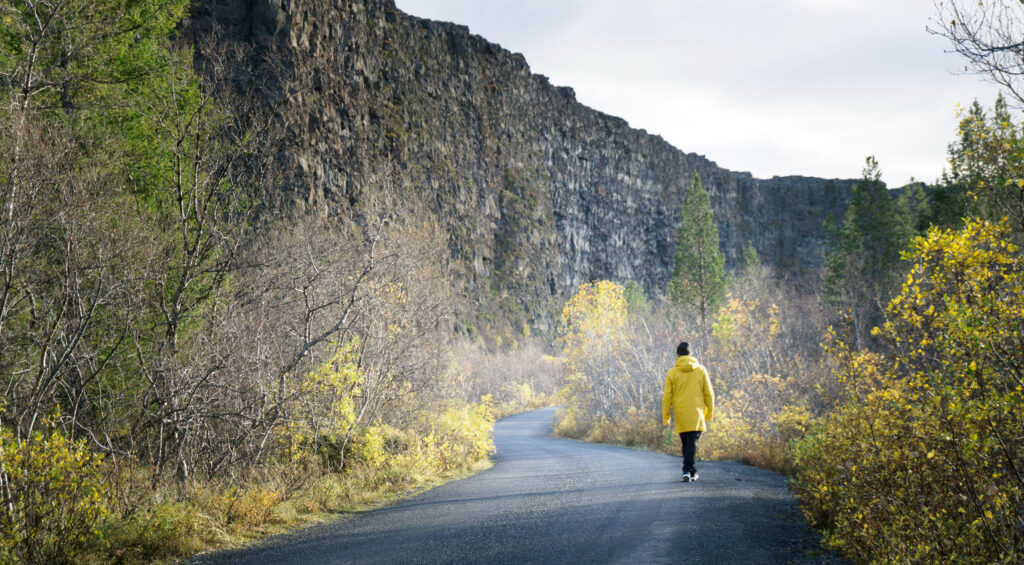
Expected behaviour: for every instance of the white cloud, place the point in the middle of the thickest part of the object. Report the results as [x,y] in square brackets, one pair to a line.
[775,88]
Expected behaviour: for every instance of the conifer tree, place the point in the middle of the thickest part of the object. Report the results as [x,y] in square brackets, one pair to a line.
[636,299]
[751,259]
[986,176]
[863,266]
[698,279]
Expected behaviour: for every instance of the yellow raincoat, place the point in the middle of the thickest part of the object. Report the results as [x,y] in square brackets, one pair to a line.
[688,393]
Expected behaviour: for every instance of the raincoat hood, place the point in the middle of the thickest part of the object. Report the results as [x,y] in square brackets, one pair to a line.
[687,363]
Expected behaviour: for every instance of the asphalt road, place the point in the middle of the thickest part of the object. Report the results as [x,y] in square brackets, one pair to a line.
[550,501]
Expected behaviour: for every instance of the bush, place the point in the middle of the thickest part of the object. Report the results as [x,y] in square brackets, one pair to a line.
[161,531]
[462,435]
[519,397]
[249,507]
[637,428]
[944,415]
[53,498]
[569,423]
[614,367]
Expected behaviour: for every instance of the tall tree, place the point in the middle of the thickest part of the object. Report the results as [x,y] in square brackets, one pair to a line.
[863,264]
[882,227]
[69,247]
[698,279]
[125,189]
[985,164]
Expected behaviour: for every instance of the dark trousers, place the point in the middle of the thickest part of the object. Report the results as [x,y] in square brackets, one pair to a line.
[689,440]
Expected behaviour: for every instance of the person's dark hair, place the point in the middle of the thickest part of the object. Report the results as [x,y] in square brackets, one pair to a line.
[683,348]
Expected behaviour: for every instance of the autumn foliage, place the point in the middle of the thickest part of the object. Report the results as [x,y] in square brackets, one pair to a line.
[922,462]
[53,495]
[763,359]
[609,363]
[768,378]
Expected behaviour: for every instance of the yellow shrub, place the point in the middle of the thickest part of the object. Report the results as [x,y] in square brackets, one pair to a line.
[328,412]
[53,498]
[637,428]
[594,319]
[172,520]
[368,447]
[250,506]
[730,437]
[923,461]
[568,423]
[791,422]
[462,434]
[601,431]
[519,397]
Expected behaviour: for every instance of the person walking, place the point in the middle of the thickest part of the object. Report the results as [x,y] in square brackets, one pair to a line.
[688,394]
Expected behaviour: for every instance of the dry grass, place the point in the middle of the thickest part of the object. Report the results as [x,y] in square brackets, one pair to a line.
[176,523]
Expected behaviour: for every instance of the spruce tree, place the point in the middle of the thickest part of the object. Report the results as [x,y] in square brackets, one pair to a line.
[636,299]
[863,266]
[751,259]
[698,279]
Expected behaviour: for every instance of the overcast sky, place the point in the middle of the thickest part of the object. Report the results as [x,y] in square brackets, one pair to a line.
[783,87]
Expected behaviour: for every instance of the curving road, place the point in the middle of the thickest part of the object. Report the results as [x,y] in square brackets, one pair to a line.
[550,500]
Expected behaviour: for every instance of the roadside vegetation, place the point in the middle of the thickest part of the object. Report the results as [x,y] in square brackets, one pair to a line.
[892,394]
[184,365]
[890,389]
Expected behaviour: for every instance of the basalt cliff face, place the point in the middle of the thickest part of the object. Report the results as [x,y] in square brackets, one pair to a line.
[537,192]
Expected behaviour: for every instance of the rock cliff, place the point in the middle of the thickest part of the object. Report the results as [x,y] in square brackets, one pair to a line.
[538,192]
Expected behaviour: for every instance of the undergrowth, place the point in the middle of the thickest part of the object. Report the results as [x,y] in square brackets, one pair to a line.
[64,504]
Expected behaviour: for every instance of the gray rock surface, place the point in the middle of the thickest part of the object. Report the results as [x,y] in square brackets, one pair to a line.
[538,192]
[552,501]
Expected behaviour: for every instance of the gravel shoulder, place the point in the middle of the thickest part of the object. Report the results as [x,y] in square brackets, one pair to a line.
[549,500]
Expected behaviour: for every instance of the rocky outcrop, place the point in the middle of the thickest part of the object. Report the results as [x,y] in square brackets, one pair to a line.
[538,192]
